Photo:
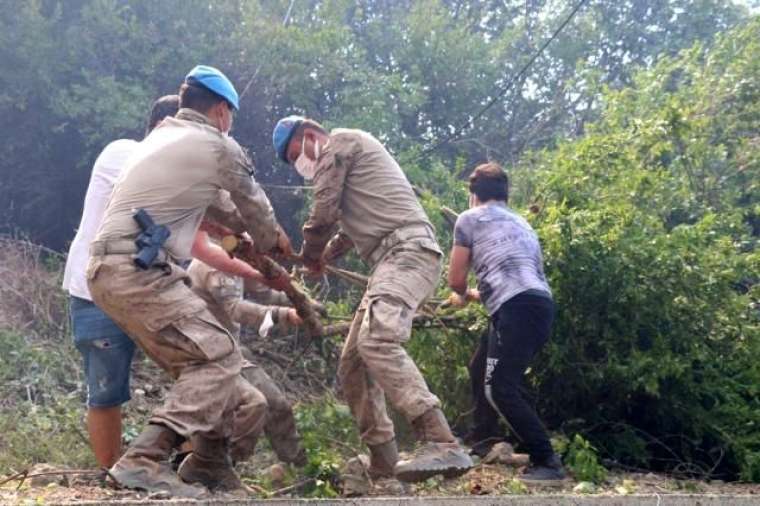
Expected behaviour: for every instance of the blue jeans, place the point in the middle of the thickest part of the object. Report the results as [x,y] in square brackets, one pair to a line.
[107,352]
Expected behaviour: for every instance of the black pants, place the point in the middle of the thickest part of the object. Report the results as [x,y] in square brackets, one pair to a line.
[485,418]
[522,327]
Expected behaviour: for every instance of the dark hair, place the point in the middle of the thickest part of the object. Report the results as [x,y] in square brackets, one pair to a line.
[199,98]
[168,105]
[489,182]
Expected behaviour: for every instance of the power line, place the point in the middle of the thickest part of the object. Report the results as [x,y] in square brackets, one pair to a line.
[468,124]
[258,68]
[286,187]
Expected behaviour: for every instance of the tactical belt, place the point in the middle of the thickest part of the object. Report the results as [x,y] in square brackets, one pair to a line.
[398,236]
[124,247]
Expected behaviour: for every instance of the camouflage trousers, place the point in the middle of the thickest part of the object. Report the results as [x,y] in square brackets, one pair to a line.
[280,428]
[174,328]
[373,363]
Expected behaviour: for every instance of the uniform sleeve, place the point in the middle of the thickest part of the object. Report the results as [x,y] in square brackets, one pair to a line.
[329,179]
[236,176]
[226,291]
[253,314]
[224,212]
[463,231]
[259,292]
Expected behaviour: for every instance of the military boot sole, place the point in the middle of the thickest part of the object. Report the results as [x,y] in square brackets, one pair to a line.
[164,481]
[455,465]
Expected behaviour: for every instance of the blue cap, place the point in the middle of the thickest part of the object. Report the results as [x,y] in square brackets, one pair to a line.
[213,80]
[282,134]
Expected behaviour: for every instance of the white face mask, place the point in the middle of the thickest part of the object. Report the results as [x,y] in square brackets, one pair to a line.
[305,165]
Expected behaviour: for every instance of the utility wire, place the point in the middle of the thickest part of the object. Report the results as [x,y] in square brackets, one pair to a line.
[470,122]
[258,68]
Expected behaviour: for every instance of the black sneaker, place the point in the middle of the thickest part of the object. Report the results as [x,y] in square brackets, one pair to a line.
[549,473]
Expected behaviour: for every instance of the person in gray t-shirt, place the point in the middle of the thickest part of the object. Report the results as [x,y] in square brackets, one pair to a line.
[503,251]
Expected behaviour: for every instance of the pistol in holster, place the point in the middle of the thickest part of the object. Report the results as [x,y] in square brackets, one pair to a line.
[150,241]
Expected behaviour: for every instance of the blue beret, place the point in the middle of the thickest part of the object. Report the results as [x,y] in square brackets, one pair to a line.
[213,80]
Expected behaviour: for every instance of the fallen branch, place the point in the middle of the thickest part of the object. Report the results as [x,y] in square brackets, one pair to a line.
[352,277]
[23,475]
[292,488]
[274,357]
[450,216]
[271,270]
[329,330]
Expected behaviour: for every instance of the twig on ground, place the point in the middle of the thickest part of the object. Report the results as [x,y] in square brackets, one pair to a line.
[292,488]
[274,357]
[23,475]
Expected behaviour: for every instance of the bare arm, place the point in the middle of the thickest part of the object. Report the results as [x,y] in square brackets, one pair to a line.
[459,265]
[217,258]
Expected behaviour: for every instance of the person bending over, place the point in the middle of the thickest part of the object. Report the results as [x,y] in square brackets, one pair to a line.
[503,251]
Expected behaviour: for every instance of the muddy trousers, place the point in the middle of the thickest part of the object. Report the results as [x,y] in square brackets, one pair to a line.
[174,328]
[523,325]
[279,426]
[373,363]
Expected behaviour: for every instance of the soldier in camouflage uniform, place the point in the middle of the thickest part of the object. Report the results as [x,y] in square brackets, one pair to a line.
[224,297]
[175,175]
[359,188]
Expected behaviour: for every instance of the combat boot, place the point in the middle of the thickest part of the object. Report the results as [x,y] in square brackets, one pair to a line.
[439,454]
[145,465]
[373,475]
[210,465]
[382,459]
[382,464]
[288,448]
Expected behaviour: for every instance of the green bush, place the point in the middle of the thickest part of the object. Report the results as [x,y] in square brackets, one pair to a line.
[649,225]
[329,435]
[582,460]
[41,415]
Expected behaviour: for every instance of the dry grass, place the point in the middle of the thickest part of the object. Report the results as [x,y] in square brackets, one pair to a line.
[33,303]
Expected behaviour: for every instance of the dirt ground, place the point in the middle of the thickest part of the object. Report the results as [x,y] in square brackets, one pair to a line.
[303,381]
[306,373]
[484,479]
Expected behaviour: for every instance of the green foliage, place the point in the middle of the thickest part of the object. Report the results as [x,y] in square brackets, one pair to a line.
[648,231]
[582,460]
[327,429]
[649,221]
[38,422]
[514,487]
[85,72]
